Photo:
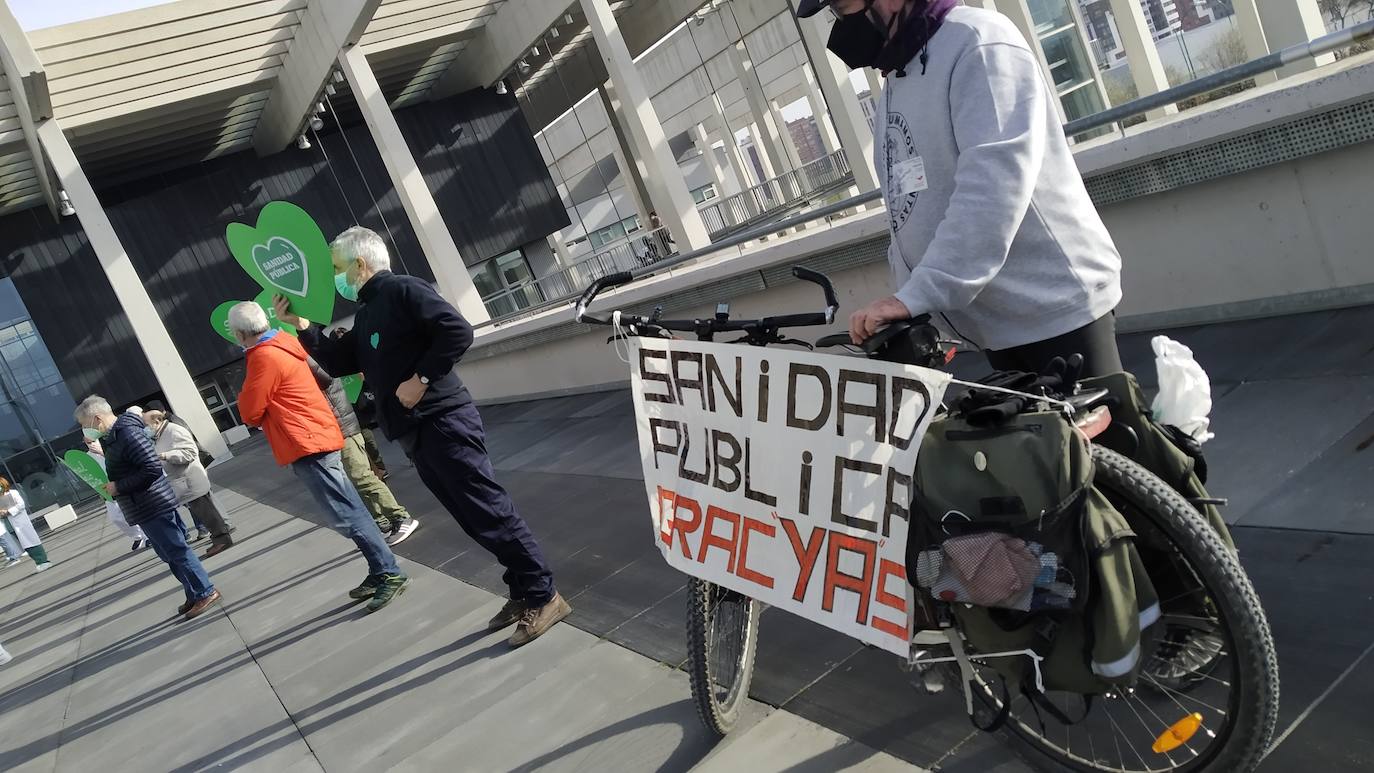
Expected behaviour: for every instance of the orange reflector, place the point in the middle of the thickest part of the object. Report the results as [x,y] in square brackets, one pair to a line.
[1178,734]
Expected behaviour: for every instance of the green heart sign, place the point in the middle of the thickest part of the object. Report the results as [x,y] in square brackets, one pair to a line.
[287,253]
[264,300]
[88,470]
[219,318]
[353,386]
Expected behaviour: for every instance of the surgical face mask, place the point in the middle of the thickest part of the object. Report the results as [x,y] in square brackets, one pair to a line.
[91,433]
[346,289]
[857,39]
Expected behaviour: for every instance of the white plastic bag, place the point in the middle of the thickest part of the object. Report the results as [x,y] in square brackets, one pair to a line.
[1185,392]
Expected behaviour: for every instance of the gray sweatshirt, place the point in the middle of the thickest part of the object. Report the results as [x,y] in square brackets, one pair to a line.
[990,221]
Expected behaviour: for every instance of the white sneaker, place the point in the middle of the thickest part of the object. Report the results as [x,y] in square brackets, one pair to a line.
[11,562]
[402,531]
[43,567]
[5,657]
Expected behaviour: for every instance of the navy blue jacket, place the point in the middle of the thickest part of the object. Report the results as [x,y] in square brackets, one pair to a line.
[402,328]
[132,464]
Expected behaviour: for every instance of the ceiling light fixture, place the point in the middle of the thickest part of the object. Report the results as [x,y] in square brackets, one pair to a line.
[501,87]
[66,208]
[553,32]
[329,89]
[524,67]
[534,50]
[567,18]
[303,142]
[316,123]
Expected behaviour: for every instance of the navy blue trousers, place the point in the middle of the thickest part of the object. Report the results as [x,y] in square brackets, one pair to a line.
[450,453]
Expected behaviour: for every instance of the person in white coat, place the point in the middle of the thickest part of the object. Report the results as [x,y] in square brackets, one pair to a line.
[112,512]
[15,513]
[180,457]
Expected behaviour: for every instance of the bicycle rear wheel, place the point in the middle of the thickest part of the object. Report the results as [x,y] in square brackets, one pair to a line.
[722,639]
[1212,654]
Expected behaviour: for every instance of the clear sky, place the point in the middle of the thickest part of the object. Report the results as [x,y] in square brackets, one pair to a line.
[37,14]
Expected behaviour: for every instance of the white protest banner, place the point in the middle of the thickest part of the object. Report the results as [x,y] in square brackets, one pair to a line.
[785,475]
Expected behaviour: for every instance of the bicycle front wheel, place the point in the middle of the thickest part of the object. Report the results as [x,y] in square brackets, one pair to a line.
[1212,669]
[722,638]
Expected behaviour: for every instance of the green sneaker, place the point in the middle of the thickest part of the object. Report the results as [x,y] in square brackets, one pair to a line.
[367,590]
[391,586]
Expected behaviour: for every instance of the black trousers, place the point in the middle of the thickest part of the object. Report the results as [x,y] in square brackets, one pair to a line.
[1096,341]
[206,513]
[450,453]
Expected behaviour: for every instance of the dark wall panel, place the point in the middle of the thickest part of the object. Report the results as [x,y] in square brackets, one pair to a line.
[490,183]
[480,159]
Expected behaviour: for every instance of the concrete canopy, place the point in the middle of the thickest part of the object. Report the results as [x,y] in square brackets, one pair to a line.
[186,81]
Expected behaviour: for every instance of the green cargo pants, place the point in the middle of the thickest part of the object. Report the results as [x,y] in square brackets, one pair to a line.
[378,499]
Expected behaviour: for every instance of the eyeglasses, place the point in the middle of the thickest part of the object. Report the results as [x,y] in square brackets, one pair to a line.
[834,12]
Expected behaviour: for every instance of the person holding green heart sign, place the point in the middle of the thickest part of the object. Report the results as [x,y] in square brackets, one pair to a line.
[406,341]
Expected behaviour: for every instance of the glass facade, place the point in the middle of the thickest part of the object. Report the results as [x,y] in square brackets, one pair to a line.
[36,423]
[1072,70]
[506,283]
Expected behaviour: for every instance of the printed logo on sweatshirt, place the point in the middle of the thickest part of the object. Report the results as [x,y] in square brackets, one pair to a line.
[900,146]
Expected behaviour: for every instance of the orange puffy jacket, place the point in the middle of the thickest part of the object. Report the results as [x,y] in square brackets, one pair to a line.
[280,395]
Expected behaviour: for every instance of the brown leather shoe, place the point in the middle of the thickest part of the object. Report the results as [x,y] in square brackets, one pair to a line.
[181,610]
[218,547]
[198,608]
[509,615]
[536,620]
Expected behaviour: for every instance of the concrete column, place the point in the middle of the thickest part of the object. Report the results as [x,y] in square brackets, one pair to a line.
[789,143]
[455,283]
[720,125]
[766,133]
[1290,23]
[708,156]
[168,368]
[818,109]
[766,153]
[560,248]
[1247,17]
[1147,71]
[626,159]
[843,103]
[875,83]
[662,176]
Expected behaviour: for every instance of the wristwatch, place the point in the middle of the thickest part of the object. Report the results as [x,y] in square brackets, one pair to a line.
[424,379]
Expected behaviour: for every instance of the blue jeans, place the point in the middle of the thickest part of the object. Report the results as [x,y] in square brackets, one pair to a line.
[168,539]
[323,475]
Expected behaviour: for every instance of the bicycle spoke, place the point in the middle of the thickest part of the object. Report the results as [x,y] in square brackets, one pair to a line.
[1172,693]
[1148,732]
[1143,765]
[1186,744]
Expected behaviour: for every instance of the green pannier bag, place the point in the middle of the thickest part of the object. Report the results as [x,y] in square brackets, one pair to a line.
[1157,448]
[1008,529]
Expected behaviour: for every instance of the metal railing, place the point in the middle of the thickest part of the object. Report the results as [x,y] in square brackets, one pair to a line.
[635,251]
[1321,45]
[776,195]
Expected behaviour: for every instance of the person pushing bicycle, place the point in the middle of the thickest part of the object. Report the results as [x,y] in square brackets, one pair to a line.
[991,224]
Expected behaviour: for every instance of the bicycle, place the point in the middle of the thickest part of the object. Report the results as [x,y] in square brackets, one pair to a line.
[1214,660]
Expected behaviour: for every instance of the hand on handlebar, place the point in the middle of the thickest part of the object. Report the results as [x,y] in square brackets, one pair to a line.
[873,317]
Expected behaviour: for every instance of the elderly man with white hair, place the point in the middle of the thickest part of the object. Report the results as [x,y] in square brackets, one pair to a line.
[145,497]
[406,340]
[280,395]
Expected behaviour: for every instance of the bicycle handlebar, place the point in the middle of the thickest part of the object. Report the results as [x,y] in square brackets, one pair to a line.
[610,281]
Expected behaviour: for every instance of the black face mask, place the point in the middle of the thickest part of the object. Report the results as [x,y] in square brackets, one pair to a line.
[856,39]
[860,40]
